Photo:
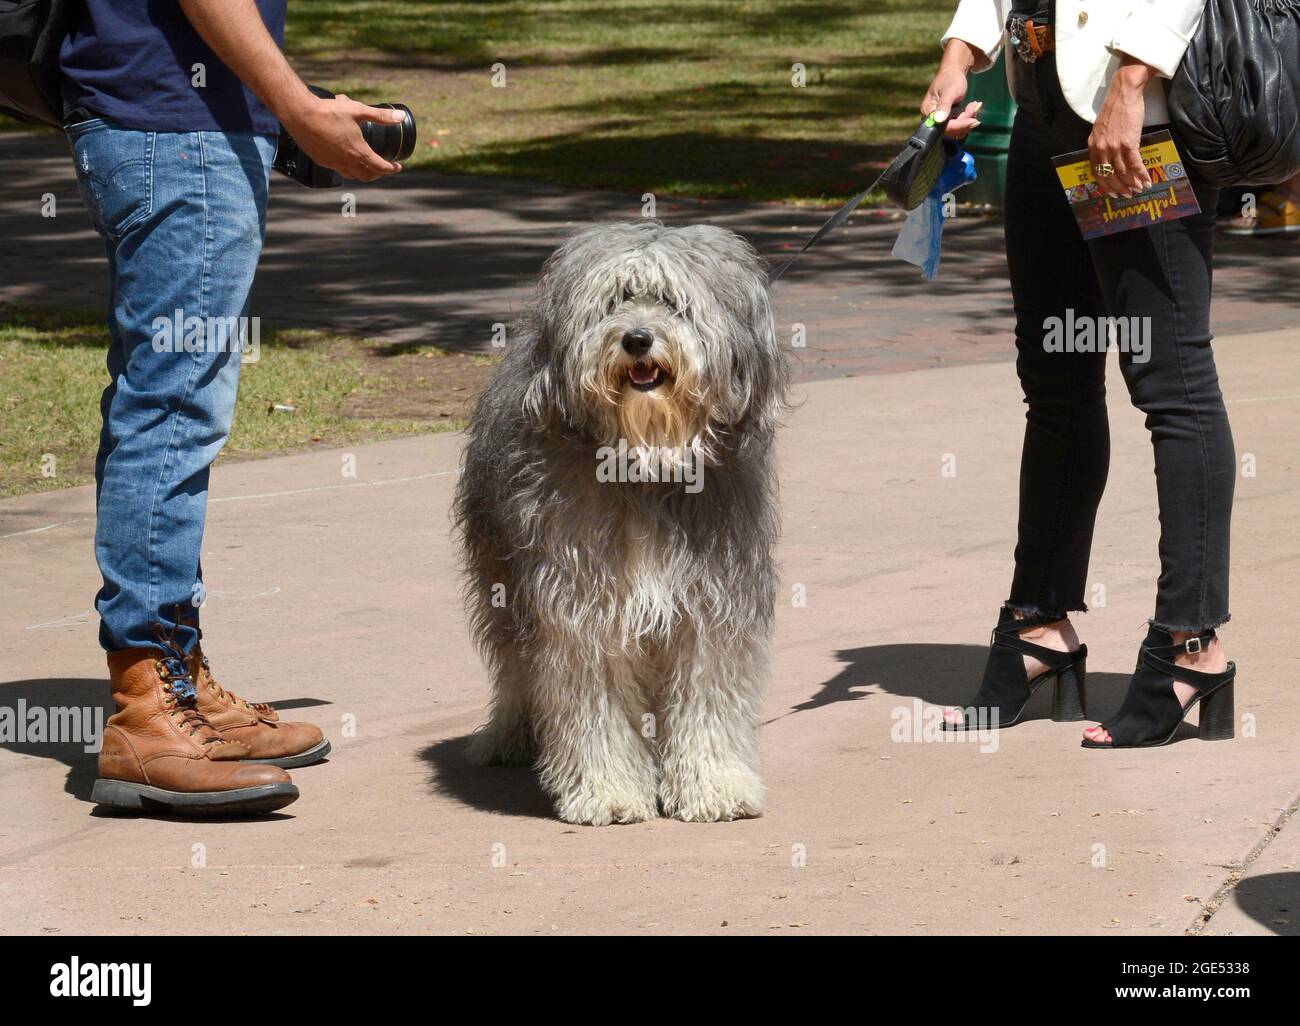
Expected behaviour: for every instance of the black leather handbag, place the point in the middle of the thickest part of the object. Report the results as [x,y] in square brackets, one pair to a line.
[1234,103]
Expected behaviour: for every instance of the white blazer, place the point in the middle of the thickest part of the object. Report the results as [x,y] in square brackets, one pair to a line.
[1090,37]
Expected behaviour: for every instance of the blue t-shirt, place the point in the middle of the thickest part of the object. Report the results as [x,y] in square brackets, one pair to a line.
[133,61]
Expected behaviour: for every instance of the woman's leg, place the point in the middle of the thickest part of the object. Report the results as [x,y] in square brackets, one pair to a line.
[1160,278]
[1066,451]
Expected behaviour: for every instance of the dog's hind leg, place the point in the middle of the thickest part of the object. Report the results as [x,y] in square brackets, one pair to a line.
[507,738]
[592,757]
[709,742]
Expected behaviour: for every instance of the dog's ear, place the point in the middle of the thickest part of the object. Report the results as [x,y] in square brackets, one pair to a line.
[526,367]
[764,369]
[539,398]
[547,401]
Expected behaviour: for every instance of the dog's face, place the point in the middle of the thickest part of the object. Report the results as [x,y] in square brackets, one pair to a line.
[662,337]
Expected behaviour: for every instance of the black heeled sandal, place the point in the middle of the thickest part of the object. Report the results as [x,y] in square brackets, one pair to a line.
[1151,713]
[1007,689]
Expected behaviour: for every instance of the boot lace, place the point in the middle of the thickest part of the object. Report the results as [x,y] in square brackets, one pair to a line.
[179,695]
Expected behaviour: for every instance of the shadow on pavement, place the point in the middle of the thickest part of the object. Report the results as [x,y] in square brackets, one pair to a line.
[89,696]
[505,790]
[99,812]
[1272,900]
[945,675]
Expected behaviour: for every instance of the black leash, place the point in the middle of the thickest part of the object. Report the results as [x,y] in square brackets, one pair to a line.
[836,219]
[907,180]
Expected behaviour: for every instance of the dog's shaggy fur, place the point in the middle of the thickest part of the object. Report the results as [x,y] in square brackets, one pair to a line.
[626,624]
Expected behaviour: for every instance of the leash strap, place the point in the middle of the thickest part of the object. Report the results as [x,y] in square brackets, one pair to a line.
[836,219]
[908,179]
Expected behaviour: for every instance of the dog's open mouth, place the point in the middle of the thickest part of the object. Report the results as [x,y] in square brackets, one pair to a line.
[645,375]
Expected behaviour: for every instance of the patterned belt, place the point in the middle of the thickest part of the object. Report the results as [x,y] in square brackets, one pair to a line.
[1030,38]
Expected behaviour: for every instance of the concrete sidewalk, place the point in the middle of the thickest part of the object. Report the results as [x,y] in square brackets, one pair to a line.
[337,599]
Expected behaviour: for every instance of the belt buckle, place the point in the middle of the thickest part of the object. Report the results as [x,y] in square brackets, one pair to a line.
[1020,38]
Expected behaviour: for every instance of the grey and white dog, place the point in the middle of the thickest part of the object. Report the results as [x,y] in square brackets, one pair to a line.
[625,614]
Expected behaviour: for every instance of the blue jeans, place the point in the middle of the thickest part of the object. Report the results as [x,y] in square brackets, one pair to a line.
[183,217]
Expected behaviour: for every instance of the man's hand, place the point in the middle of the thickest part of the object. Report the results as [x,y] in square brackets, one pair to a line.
[329,131]
[1116,136]
[948,89]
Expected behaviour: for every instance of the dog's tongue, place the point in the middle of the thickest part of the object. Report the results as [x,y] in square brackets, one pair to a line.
[643,373]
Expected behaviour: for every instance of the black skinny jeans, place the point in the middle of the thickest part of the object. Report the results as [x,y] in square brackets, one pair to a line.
[1162,274]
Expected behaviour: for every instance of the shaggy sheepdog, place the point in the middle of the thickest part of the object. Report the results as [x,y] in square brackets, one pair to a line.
[617,509]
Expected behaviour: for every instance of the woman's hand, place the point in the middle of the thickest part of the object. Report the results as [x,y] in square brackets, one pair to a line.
[1116,136]
[948,90]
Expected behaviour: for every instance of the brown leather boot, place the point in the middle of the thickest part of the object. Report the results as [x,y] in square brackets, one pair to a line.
[269,739]
[159,754]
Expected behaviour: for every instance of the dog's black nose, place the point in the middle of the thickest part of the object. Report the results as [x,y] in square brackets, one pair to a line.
[637,341]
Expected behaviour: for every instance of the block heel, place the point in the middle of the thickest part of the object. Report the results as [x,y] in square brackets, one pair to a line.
[1218,714]
[1070,697]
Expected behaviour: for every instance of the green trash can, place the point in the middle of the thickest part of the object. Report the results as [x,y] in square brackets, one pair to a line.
[990,142]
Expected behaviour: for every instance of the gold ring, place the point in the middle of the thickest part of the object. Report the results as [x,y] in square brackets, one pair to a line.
[1104,170]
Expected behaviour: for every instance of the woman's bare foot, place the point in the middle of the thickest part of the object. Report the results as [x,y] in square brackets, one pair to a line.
[1210,659]
[1058,636]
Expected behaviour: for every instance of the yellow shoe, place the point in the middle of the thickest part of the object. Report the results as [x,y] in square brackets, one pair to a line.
[1275,216]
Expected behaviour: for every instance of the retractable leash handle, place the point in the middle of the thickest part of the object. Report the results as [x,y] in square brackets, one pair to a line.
[907,181]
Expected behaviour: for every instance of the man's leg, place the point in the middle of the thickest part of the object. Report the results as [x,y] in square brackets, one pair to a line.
[183,216]
[185,259]
[115,362]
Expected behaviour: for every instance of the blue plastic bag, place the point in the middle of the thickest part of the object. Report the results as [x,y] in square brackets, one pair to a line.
[921,237]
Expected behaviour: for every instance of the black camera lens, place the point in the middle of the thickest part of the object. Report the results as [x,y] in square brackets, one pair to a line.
[392,142]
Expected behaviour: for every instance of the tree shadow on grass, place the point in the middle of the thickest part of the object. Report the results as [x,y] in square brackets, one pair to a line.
[478,34]
[349,66]
[686,163]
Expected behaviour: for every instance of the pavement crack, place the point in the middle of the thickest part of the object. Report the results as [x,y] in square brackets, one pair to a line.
[1236,872]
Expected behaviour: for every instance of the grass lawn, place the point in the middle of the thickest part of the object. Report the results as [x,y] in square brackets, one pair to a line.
[685,97]
[692,97]
[343,392]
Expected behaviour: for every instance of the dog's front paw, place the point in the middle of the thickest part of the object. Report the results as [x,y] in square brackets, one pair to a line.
[606,802]
[712,795]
